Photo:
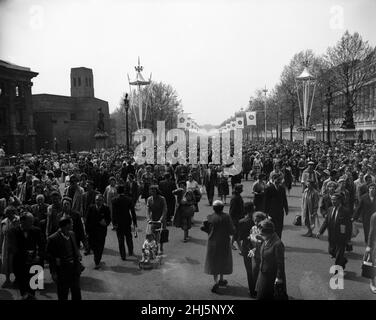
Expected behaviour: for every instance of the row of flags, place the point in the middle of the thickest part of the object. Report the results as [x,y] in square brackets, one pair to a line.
[187,123]
[238,123]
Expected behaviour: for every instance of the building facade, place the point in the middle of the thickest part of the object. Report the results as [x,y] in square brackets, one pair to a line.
[75,117]
[17,134]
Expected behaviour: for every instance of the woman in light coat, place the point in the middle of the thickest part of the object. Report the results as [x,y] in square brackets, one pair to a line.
[7,247]
[310,205]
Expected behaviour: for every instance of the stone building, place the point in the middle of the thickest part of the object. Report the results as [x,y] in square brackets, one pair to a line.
[17,133]
[75,117]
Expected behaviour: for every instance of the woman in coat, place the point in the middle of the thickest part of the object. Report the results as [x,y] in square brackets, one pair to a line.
[371,247]
[310,206]
[218,260]
[272,264]
[184,213]
[7,246]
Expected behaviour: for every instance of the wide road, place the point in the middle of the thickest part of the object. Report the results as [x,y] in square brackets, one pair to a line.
[181,274]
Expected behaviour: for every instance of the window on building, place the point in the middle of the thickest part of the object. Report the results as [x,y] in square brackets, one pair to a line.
[79,81]
[73,116]
[74,82]
[90,82]
[17,91]
[86,82]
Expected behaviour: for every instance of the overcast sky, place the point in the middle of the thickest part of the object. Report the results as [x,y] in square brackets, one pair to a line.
[214,53]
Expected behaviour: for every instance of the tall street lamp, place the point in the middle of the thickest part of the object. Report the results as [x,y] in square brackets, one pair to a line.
[265,91]
[329,98]
[126,106]
[307,85]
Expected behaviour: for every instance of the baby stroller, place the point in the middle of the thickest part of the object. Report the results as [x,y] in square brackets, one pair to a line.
[151,257]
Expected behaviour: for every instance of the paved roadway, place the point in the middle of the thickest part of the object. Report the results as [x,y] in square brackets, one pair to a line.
[181,275]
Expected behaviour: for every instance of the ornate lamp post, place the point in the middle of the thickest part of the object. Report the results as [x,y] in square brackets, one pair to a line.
[126,107]
[329,98]
[307,84]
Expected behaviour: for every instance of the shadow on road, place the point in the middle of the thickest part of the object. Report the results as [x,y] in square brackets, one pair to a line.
[111,252]
[304,250]
[93,285]
[201,242]
[235,291]
[122,269]
[353,276]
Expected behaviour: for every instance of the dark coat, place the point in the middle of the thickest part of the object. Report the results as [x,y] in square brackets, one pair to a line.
[236,207]
[56,250]
[166,187]
[123,213]
[272,266]
[339,230]
[276,205]
[34,242]
[244,227]
[219,255]
[365,210]
[94,216]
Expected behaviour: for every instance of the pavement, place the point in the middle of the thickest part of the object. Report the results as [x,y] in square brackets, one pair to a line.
[181,274]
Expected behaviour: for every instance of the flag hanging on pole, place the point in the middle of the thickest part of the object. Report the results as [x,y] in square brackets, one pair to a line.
[239,123]
[233,125]
[251,118]
[182,120]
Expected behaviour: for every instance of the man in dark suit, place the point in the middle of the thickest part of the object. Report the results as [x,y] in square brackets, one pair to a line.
[367,206]
[97,220]
[123,215]
[236,212]
[276,205]
[64,260]
[210,181]
[338,223]
[131,188]
[29,252]
[166,187]
[244,228]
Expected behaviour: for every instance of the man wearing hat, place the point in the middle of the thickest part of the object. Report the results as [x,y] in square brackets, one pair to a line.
[276,205]
[210,181]
[338,223]
[310,174]
[97,220]
[64,260]
[367,206]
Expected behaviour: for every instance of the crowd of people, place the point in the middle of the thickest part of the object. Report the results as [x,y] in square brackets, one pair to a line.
[55,206]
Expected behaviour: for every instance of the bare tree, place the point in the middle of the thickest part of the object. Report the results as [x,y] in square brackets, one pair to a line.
[349,60]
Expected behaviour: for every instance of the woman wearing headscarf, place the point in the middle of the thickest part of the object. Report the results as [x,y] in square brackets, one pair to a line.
[272,264]
[218,260]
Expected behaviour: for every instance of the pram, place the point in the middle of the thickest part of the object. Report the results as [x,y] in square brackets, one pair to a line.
[152,258]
